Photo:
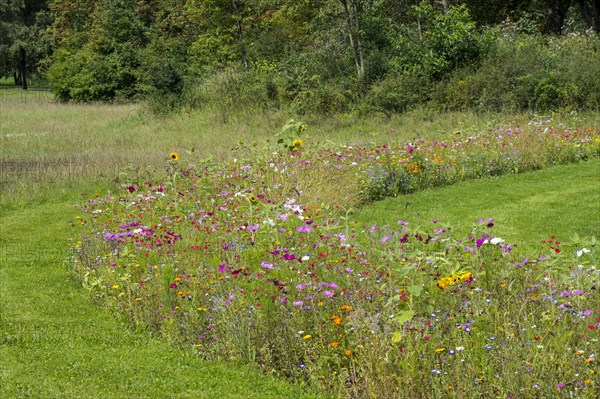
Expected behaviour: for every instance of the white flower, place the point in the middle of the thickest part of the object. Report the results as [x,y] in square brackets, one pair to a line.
[582,251]
[495,241]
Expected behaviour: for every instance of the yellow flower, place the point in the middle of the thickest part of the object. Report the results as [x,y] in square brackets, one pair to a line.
[174,156]
[298,143]
[438,350]
[465,276]
[445,282]
[253,199]
[307,336]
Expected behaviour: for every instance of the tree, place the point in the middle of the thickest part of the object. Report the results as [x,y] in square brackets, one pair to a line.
[23,43]
[591,13]
[98,50]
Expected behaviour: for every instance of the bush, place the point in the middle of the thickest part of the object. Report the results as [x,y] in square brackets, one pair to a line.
[398,93]
[529,73]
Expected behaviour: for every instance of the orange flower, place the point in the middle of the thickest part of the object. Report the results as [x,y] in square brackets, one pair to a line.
[335,344]
[336,320]
[348,352]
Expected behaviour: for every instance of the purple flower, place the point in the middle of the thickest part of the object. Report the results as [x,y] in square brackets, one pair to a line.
[304,229]
[300,287]
[289,256]
[402,223]
[266,265]
[524,262]
[253,227]
[329,294]
[224,268]
[297,303]
[385,238]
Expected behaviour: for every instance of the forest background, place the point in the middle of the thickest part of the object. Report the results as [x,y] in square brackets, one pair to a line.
[309,56]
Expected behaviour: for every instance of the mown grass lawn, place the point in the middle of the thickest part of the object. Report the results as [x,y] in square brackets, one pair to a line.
[527,208]
[56,343]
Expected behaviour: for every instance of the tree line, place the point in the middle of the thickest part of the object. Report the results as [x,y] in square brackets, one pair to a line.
[311,55]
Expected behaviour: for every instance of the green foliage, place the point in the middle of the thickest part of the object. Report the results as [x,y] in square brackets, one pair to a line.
[535,73]
[105,67]
[448,41]
[23,39]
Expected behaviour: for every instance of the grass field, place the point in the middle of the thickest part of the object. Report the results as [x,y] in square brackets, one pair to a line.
[57,343]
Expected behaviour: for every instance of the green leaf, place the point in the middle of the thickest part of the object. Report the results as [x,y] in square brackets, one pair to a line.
[405,316]
[415,290]
[396,337]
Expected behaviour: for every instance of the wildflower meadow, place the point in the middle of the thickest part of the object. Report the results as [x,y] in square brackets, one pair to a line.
[258,260]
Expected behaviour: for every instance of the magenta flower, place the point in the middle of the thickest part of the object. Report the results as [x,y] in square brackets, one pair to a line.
[289,256]
[329,294]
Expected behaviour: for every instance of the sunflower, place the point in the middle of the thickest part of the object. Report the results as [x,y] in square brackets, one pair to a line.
[298,143]
[253,199]
[174,156]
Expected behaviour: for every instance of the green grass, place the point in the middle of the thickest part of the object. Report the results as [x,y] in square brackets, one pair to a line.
[55,343]
[527,208]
